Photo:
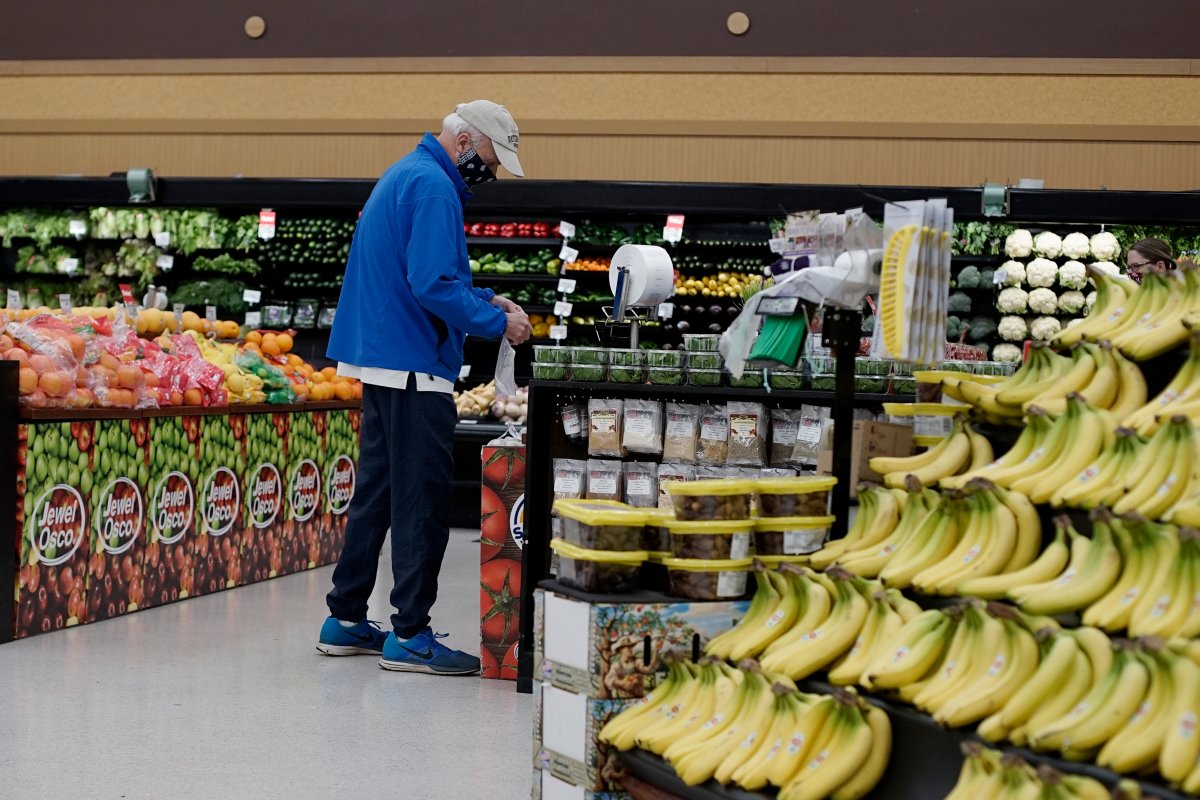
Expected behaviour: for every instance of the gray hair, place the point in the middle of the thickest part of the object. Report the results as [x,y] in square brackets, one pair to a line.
[456,125]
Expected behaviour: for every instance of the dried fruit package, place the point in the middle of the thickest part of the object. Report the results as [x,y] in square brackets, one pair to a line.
[572,417]
[570,483]
[604,427]
[641,484]
[785,427]
[603,480]
[747,434]
[682,433]
[713,448]
[672,472]
[643,427]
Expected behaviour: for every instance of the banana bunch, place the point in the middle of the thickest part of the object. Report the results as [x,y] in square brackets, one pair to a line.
[878,514]
[1113,293]
[988,774]
[1181,396]
[1092,570]
[1100,482]
[869,555]
[1001,402]
[962,451]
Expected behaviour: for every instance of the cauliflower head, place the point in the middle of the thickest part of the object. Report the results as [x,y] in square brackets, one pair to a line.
[1018,244]
[1073,275]
[1012,300]
[1075,245]
[1104,246]
[1071,302]
[1008,353]
[1014,273]
[1043,301]
[1047,245]
[1041,272]
[1107,267]
[1013,329]
[1044,328]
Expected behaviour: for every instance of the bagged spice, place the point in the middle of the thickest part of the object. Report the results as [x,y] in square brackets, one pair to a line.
[603,480]
[785,426]
[604,428]
[713,446]
[641,484]
[683,430]
[669,473]
[572,416]
[643,427]
[747,434]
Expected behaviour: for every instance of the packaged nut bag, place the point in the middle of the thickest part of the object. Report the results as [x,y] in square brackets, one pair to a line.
[604,480]
[573,417]
[713,446]
[747,434]
[643,427]
[672,472]
[683,433]
[785,426]
[604,427]
[641,484]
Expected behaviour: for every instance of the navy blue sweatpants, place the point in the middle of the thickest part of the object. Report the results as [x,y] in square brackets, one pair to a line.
[405,482]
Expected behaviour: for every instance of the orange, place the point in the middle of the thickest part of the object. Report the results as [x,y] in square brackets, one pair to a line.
[254,337]
[27,380]
[318,377]
[344,390]
[358,390]
[330,373]
[285,342]
[270,345]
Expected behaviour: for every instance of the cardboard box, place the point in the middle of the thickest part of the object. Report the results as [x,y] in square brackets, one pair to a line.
[870,439]
[614,650]
[501,536]
[547,787]
[570,749]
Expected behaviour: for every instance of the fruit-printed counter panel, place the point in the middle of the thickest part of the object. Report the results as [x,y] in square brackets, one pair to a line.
[122,513]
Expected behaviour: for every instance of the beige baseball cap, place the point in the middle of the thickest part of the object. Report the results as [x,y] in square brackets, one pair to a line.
[495,122]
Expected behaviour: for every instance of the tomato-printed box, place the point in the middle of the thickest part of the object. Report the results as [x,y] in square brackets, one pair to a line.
[501,537]
[266,487]
[115,575]
[218,561]
[54,485]
[169,562]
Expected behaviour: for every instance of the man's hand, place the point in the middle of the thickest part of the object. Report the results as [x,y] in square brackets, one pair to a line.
[519,329]
[508,305]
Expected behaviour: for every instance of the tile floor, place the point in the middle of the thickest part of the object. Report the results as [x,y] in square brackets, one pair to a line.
[224,696]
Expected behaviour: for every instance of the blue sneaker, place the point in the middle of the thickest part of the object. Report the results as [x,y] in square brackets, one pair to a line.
[424,653]
[363,639]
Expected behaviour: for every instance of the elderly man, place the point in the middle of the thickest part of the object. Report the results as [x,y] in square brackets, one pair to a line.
[407,305]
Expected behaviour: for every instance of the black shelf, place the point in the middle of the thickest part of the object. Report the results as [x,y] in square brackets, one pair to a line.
[549,242]
[483,278]
[814,397]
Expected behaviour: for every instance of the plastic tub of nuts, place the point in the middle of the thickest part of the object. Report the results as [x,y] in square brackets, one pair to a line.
[698,579]
[601,527]
[790,536]
[714,540]
[724,498]
[656,537]
[600,571]
[794,497]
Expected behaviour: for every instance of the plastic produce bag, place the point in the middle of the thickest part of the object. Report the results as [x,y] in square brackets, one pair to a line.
[506,382]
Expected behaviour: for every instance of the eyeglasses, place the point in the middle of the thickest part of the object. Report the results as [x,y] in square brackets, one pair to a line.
[1132,265]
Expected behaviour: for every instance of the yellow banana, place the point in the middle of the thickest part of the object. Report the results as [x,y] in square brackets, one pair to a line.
[1104,710]
[767,597]
[1181,745]
[1014,665]
[834,761]
[817,648]
[1093,570]
[1183,387]
[871,772]
[1049,565]
[1136,745]
[912,651]
[785,610]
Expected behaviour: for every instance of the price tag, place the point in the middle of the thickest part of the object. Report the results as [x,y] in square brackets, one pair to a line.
[131,311]
[568,254]
[165,262]
[68,266]
[999,276]
[464,371]
[778,306]
[162,239]
[566,229]
[778,245]
[178,309]
[14,299]
[673,230]
[253,319]
[210,313]
[252,296]
[126,293]
[562,308]
[566,285]
[266,224]
[558,332]
[666,310]
[64,302]
[77,228]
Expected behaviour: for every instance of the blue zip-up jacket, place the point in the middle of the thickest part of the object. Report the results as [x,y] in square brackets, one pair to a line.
[407,302]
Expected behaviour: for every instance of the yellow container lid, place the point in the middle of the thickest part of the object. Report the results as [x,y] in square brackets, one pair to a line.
[595,513]
[567,550]
[710,526]
[657,556]
[718,487]
[921,409]
[939,375]
[799,485]
[775,561]
[792,523]
[706,565]
[659,516]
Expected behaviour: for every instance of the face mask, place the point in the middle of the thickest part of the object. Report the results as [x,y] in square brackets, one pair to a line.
[473,170]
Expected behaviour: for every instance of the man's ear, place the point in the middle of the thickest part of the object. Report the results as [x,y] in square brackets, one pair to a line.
[463,140]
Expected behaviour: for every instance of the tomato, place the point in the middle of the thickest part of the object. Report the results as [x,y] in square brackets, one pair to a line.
[508,669]
[504,467]
[499,600]
[493,524]
[490,669]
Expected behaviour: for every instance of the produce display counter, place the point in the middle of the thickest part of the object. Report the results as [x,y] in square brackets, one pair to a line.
[113,511]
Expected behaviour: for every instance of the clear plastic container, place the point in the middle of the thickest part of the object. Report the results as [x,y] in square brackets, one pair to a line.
[599,571]
[626,358]
[705,361]
[704,377]
[665,376]
[665,358]
[708,580]
[601,526]
[553,354]
[701,342]
[589,372]
[806,496]
[626,374]
[751,379]
[789,381]
[822,382]
[589,355]
[790,536]
[713,540]
[551,372]
[723,498]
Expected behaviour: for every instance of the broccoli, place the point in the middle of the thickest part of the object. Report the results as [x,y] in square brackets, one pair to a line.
[968,278]
[958,303]
[981,327]
[987,277]
[954,328]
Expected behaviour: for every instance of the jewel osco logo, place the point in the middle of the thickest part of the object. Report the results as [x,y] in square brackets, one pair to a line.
[266,495]
[304,491]
[172,507]
[120,515]
[220,501]
[339,485]
[59,524]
